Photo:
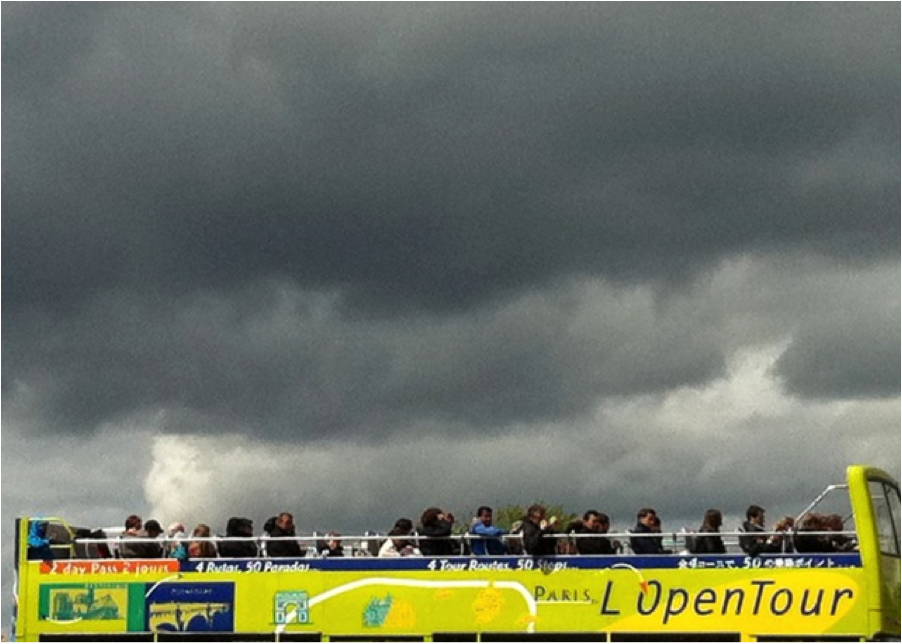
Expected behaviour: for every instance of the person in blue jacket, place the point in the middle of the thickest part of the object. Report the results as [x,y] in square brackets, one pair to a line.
[490,543]
[38,541]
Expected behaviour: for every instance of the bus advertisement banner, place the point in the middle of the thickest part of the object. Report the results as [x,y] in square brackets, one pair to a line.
[621,598]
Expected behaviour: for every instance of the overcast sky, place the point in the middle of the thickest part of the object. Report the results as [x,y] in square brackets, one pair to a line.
[352,261]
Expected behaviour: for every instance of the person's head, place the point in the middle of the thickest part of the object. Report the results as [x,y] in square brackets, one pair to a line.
[239,527]
[833,522]
[397,535]
[592,520]
[755,515]
[404,525]
[485,515]
[285,520]
[133,522]
[813,522]
[604,522]
[713,519]
[202,530]
[647,517]
[153,528]
[333,541]
[654,523]
[536,513]
[785,524]
[430,516]
[233,527]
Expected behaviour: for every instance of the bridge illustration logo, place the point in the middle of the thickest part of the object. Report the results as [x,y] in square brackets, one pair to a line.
[184,606]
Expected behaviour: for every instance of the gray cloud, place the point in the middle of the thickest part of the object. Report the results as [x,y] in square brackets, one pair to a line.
[169,172]
[417,159]
[849,356]
[286,363]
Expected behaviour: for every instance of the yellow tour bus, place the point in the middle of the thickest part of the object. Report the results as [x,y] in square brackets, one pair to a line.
[817,585]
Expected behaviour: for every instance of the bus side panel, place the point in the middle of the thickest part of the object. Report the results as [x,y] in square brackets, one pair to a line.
[783,600]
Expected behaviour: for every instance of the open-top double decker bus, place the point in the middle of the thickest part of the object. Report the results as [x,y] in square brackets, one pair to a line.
[847,596]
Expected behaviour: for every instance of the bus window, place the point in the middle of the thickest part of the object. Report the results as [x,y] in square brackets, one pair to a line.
[886,512]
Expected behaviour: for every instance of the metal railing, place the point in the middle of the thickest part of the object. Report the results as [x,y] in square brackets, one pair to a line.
[367,544]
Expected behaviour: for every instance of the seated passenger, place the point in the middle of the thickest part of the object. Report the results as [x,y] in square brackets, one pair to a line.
[201,548]
[239,541]
[805,541]
[752,541]
[840,542]
[708,540]
[395,545]
[436,524]
[487,542]
[281,546]
[604,526]
[91,550]
[175,545]
[514,542]
[647,524]
[151,549]
[129,547]
[331,546]
[38,541]
[781,542]
[536,532]
[592,523]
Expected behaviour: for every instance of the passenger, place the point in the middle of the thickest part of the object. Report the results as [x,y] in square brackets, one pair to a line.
[129,547]
[647,523]
[514,542]
[201,548]
[436,525]
[175,545]
[175,530]
[709,541]
[656,528]
[488,541]
[99,550]
[536,532]
[239,541]
[592,523]
[840,542]
[655,523]
[604,526]
[781,542]
[753,542]
[151,549]
[281,546]
[806,542]
[331,547]
[395,546]
[39,542]
[567,546]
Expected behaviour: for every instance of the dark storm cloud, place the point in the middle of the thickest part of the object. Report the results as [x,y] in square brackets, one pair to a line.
[283,363]
[850,357]
[429,157]
[167,168]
